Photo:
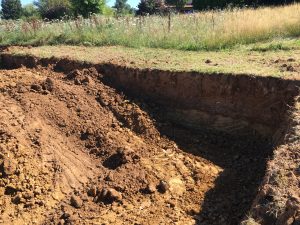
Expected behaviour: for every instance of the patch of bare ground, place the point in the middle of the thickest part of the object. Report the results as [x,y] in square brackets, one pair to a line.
[75,151]
[186,148]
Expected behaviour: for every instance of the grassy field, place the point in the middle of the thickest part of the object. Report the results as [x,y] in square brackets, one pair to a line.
[212,30]
[259,59]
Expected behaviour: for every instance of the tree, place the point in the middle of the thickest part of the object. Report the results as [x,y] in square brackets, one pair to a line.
[122,7]
[149,7]
[53,9]
[179,4]
[11,9]
[29,11]
[87,7]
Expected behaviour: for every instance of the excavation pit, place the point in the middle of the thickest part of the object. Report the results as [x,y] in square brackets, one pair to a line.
[137,146]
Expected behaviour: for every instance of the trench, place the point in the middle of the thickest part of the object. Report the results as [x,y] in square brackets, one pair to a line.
[233,121]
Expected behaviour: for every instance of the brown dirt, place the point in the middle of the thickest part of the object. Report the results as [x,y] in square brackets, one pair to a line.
[75,151]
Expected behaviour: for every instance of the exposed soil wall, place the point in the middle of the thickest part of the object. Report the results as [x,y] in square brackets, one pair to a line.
[235,104]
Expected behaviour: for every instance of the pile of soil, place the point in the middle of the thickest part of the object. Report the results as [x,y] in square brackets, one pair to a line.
[75,151]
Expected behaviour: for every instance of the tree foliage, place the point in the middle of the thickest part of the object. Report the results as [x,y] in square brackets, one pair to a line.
[29,11]
[11,9]
[149,7]
[179,4]
[53,9]
[122,7]
[87,7]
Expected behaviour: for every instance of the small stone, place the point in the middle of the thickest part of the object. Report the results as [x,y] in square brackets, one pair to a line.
[110,195]
[9,167]
[151,188]
[76,201]
[163,186]
[207,61]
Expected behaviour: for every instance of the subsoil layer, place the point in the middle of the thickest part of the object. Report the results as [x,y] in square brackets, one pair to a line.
[75,151]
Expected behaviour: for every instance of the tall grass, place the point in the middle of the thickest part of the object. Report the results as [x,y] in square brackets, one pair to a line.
[209,30]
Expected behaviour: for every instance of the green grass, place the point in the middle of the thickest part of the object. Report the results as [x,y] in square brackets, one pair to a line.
[211,30]
[239,60]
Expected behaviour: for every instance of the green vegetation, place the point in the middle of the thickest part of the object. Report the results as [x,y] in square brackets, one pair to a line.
[149,7]
[30,12]
[123,8]
[53,9]
[240,60]
[11,9]
[179,4]
[210,30]
[87,7]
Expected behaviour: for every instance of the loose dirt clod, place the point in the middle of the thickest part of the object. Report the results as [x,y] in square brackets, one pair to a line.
[151,188]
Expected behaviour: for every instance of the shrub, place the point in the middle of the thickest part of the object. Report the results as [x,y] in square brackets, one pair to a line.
[53,9]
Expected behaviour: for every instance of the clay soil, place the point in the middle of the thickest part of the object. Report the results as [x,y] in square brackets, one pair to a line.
[75,151]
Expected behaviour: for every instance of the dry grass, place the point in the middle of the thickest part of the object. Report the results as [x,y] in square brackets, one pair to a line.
[202,31]
[249,221]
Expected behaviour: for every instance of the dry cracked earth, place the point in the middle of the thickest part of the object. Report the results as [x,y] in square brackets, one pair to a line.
[75,151]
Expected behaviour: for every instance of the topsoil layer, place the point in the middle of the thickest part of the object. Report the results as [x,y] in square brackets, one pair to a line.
[75,151]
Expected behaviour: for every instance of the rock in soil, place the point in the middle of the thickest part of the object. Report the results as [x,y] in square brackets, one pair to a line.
[76,201]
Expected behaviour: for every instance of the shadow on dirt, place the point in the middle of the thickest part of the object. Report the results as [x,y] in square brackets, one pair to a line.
[243,159]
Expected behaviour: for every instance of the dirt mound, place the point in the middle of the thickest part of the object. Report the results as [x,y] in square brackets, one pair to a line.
[75,151]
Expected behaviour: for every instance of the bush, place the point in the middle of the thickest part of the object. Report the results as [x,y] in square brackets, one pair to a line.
[53,9]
